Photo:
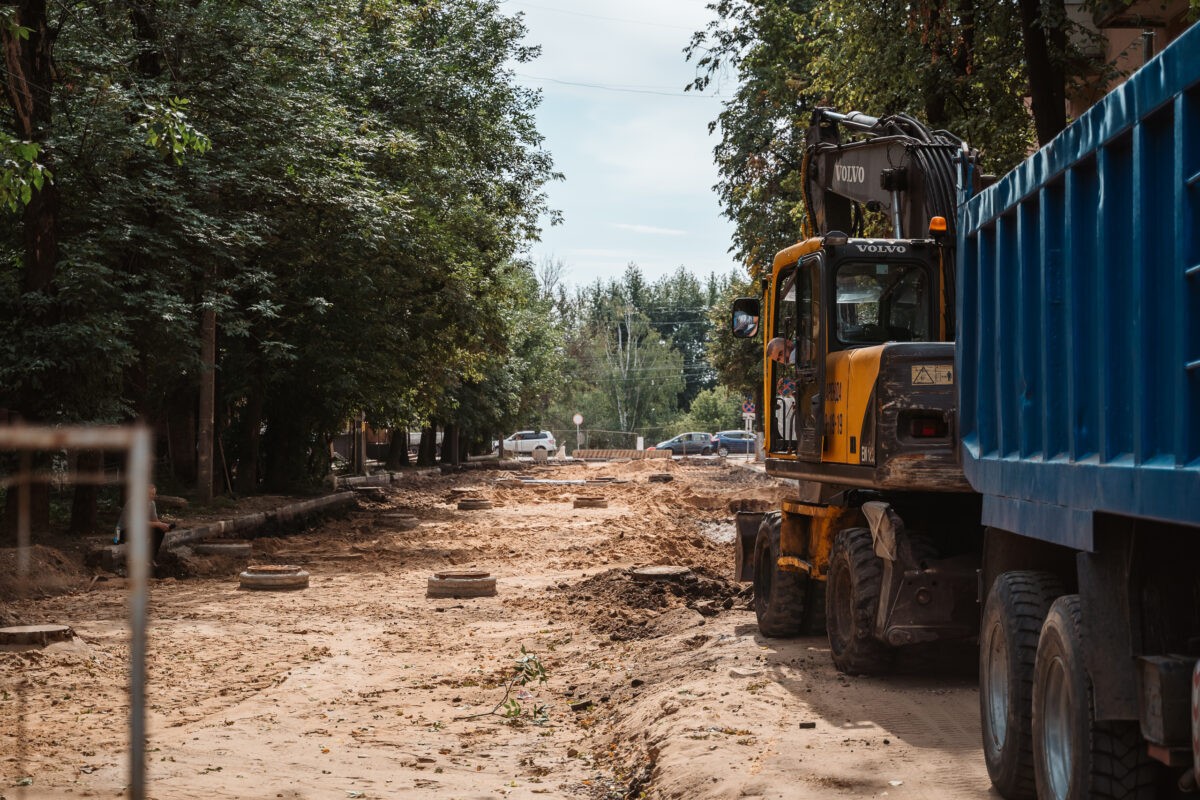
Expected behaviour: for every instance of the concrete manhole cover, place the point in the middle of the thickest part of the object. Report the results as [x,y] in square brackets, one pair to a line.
[274,576]
[660,477]
[591,502]
[461,583]
[222,548]
[40,635]
[659,573]
[473,504]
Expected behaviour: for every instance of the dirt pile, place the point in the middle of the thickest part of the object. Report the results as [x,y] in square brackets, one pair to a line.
[629,607]
[40,571]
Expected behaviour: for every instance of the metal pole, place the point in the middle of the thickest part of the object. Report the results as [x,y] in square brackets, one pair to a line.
[138,565]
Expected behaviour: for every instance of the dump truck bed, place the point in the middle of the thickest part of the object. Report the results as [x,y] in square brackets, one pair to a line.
[1078,337]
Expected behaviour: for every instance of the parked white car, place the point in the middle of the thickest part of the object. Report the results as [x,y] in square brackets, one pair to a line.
[526,442]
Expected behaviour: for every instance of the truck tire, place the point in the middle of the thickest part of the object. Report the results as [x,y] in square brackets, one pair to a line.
[778,594]
[1016,607]
[1076,756]
[851,603]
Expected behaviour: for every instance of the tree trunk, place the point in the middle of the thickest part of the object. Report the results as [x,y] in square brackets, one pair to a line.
[83,508]
[1045,37]
[397,449]
[450,445]
[204,430]
[427,450]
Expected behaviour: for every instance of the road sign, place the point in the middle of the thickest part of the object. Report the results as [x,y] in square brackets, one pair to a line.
[577,419]
[748,408]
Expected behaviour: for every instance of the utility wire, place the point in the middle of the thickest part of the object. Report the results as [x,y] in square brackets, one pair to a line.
[625,89]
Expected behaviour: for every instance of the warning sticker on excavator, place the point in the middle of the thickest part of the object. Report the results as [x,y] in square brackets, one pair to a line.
[932,375]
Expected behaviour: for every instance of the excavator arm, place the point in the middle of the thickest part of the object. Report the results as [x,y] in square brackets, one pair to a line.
[894,165]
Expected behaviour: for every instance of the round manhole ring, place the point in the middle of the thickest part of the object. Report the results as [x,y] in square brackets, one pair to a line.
[465,574]
[661,477]
[273,569]
[461,584]
[274,581]
[474,504]
[40,635]
[590,502]
[664,572]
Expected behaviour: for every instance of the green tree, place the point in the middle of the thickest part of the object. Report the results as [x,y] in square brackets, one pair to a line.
[715,409]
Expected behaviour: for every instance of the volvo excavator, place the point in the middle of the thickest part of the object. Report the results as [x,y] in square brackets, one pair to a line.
[880,544]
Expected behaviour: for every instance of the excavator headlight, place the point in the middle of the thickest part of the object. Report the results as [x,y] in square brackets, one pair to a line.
[937,226]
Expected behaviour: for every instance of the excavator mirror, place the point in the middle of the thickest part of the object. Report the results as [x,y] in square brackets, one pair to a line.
[746,311]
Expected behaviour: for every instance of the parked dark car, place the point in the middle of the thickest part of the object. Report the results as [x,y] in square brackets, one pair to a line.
[688,444]
[726,442]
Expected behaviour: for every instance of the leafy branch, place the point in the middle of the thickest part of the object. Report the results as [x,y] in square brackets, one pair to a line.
[528,668]
[169,132]
[20,172]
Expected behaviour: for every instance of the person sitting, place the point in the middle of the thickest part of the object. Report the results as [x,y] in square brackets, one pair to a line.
[158,528]
[781,350]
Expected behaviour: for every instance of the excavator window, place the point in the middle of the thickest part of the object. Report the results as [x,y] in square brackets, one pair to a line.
[882,302]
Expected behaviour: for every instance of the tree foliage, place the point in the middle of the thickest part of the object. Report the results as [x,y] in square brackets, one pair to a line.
[955,64]
[349,187]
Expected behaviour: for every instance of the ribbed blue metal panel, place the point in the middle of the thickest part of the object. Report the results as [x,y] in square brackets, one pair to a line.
[1079,325]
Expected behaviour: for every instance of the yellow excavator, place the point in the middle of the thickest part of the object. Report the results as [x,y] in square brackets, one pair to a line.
[880,544]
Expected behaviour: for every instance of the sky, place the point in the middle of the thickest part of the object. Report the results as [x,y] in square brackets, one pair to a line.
[633,146]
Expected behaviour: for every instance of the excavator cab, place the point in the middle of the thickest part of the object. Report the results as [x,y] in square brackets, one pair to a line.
[864,396]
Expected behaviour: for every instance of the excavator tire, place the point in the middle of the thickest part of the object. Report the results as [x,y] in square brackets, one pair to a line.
[778,595]
[852,601]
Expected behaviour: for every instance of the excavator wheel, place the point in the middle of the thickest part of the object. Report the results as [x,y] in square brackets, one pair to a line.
[778,594]
[852,601]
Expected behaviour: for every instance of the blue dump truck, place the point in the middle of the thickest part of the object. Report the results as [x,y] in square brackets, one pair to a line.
[1078,375]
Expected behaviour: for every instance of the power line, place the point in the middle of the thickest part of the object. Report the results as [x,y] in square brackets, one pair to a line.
[628,90]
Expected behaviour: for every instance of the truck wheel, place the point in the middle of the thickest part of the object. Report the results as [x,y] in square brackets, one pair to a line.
[851,603]
[1012,619]
[1075,756]
[778,594]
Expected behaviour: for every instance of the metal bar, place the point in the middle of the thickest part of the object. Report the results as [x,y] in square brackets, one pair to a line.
[1191,365]
[1192,272]
[1192,181]
[42,438]
[138,566]
[76,479]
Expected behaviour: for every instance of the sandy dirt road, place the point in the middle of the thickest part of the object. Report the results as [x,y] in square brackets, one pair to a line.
[362,687]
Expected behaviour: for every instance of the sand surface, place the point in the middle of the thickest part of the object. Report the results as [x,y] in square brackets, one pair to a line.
[360,686]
